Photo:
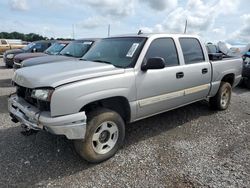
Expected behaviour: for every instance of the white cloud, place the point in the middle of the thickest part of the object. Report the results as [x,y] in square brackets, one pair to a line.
[112,7]
[199,14]
[20,5]
[227,6]
[161,4]
[94,22]
[219,31]
[243,34]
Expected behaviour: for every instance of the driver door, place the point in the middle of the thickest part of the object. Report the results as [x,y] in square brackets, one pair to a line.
[161,89]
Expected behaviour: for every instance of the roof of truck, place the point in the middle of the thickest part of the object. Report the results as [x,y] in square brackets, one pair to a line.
[87,39]
[153,34]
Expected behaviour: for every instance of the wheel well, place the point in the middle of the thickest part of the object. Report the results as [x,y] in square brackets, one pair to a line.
[229,78]
[117,104]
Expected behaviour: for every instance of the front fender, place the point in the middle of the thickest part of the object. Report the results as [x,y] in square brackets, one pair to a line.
[70,98]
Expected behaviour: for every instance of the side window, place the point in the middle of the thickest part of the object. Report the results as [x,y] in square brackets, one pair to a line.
[44,46]
[38,47]
[48,45]
[165,48]
[192,50]
[3,42]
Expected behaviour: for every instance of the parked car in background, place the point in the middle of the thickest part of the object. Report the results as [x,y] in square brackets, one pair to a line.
[75,49]
[54,49]
[246,69]
[37,46]
[6,44]
[119,80]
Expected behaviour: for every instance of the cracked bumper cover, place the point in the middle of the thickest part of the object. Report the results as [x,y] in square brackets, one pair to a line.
[73,126]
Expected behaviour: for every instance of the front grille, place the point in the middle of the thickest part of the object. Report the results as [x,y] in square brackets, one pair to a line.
[25,93]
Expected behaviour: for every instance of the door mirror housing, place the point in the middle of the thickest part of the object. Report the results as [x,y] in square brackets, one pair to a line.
[153,63]
[34,50]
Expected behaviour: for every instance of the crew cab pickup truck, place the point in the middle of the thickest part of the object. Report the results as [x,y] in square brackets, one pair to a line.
[120,80]
[10,44]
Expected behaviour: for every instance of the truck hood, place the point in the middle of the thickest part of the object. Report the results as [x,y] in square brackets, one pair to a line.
[23,56]
[45,59]
[14,51]
[53,74]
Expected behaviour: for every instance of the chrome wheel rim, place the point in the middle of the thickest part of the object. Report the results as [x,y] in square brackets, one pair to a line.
[225,97]
[105,137]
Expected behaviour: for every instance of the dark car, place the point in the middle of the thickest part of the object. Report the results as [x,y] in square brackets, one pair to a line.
[75,49]
[34,47]
[246,69]
[54,49]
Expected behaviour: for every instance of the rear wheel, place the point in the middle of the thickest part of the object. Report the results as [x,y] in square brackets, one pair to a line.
[222,99]
[105,133]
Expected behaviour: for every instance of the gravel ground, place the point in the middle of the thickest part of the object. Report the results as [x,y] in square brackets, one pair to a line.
[188,147]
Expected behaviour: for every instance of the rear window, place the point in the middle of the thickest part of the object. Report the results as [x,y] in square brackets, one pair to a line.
[192,50]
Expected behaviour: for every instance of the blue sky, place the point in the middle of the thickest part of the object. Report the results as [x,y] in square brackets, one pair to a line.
[214,20]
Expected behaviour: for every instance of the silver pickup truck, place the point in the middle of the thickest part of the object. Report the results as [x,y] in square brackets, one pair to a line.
[120,80]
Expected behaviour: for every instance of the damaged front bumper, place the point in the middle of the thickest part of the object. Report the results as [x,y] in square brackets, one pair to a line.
[73,126]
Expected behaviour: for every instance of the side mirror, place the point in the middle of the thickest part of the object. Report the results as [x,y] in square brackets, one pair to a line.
[34,50]
[153,63]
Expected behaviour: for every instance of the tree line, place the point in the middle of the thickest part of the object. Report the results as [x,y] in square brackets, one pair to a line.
[25,37]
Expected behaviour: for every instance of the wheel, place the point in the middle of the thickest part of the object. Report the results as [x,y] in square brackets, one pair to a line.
[7,66]
[105,133]
[222,99]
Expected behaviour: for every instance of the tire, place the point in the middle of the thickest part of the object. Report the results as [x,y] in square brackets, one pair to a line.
[222,99]
[105,134]
[7,66]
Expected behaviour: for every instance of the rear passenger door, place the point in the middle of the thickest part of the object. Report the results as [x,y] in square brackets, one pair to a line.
[197,71]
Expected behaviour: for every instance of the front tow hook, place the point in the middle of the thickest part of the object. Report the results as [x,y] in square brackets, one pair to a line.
[27,131]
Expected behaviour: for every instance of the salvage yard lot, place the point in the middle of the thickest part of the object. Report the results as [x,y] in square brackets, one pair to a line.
[188,147]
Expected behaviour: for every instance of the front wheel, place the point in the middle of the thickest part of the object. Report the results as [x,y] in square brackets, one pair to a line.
[105,133]
[222,99]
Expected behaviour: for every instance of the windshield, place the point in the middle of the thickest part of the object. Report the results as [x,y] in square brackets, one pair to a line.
[55,48]
[120,52]
[76,49]
[29,46]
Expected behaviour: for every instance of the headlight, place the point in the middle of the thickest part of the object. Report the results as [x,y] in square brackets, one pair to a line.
[42,94]
[10,56]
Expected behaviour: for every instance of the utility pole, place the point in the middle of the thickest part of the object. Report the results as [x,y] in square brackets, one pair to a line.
[185,30]
[108,30]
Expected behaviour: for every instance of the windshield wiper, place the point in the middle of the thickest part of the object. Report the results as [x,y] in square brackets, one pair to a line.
[69,55]
[107,62]
[101,61]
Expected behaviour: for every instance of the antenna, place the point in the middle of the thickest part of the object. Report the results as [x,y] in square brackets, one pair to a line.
[108,30]
[185,30]
[139,32]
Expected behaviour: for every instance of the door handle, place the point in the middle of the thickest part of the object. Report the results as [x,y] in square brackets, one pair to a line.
[204,71]
[179,75]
